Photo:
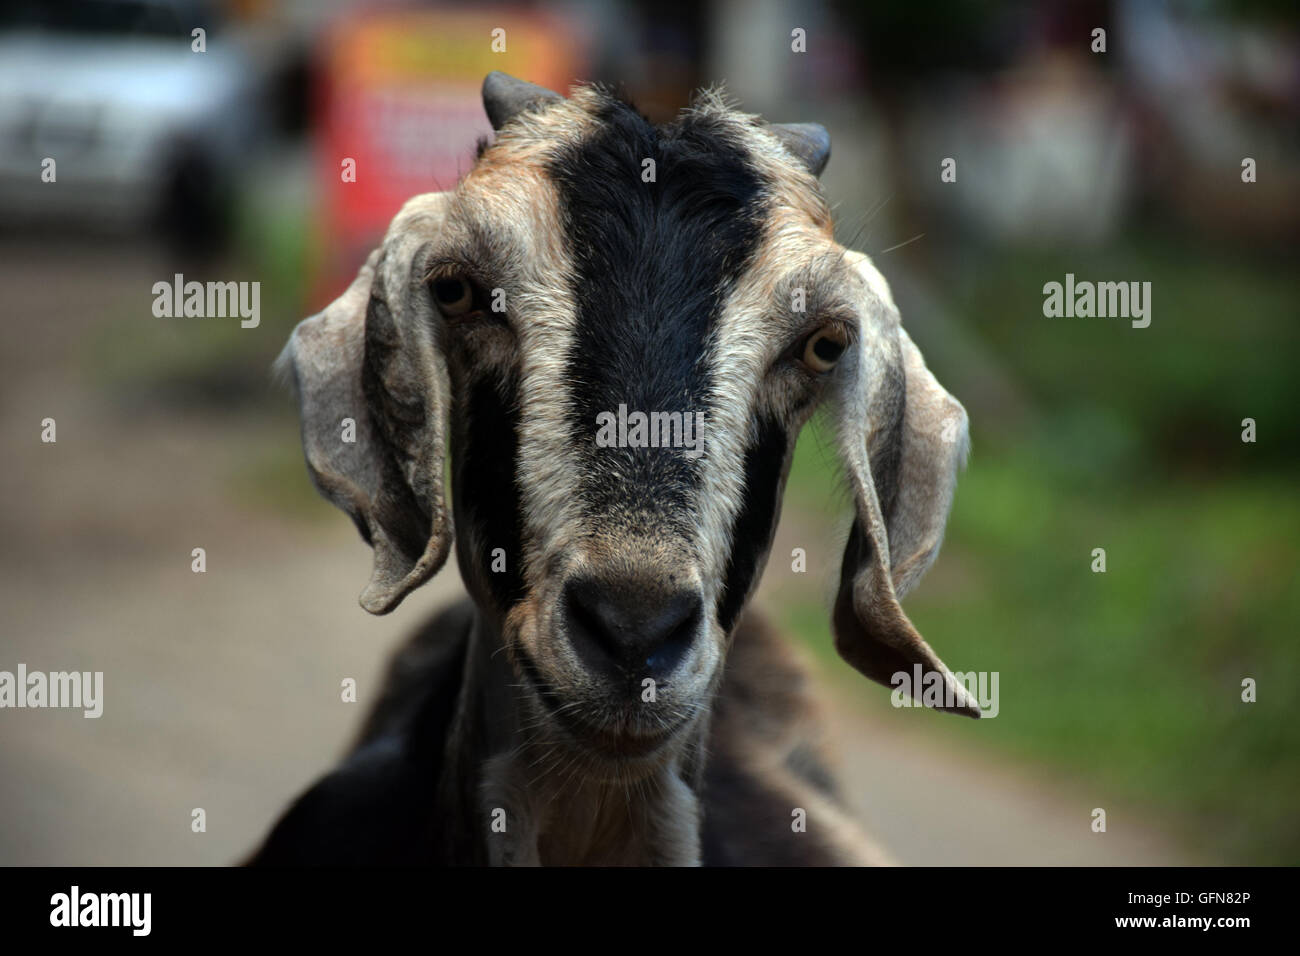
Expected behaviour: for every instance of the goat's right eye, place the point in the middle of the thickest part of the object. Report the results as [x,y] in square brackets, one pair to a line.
[824,348]
[454,295]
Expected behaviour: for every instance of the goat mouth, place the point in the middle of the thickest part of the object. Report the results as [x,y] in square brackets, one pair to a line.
[618,741]
[625,735]
[623,745]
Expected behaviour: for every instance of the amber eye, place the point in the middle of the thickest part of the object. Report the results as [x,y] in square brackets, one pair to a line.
[454,295]
[824,349]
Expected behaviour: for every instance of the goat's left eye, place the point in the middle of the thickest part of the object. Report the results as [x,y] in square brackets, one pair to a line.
[824,348]
[454,295]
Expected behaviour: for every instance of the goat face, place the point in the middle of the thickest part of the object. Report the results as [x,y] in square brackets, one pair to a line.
[617,331]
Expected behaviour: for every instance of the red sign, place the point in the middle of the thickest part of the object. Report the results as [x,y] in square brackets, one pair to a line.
[401,111]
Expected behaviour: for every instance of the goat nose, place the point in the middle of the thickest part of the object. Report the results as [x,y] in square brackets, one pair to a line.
[630,628]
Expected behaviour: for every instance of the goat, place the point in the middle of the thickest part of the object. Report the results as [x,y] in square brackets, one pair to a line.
[601,698]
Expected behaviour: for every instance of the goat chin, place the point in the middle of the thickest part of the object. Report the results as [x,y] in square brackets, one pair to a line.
[619,755]
[621,747]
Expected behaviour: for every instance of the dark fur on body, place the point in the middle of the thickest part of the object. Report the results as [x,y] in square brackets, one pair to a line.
[382,805]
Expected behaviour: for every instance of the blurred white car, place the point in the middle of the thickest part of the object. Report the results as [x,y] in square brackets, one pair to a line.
[144,131]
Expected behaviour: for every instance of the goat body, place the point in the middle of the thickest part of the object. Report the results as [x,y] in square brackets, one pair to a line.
[430,769]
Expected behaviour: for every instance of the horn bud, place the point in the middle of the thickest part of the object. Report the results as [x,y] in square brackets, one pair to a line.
[505,97]
[809,142]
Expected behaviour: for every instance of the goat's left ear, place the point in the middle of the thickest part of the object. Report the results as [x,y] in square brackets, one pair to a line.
[372,392]
[902,438]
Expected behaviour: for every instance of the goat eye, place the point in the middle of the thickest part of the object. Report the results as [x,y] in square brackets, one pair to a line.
[454,295]
[824,349]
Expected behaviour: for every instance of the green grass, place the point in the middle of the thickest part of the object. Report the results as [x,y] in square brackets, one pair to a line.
[1222,346]
[1133,677]
[211,362]
[1130,679]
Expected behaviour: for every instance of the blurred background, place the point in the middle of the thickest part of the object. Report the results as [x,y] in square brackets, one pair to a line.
[1118,690]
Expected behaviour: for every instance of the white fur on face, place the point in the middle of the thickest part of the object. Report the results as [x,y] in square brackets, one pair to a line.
[742,347]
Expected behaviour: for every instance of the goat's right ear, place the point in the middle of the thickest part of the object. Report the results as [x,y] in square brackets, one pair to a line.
[902,437]
[372,392]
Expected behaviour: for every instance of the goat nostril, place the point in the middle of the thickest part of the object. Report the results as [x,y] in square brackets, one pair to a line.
[629,628]
[679,636]
[583,618]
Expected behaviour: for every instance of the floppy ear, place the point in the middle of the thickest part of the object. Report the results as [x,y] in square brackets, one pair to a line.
[902,438]
[372,357]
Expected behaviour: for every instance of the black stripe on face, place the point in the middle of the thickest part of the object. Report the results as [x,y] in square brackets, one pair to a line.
[485,490]
[652,265]
[755,522]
